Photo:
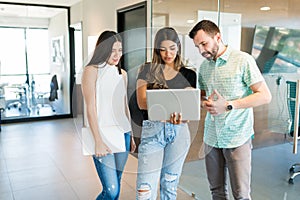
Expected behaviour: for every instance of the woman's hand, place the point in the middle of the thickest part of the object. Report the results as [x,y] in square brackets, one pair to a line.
[101,149]
[176,118]
[132,145]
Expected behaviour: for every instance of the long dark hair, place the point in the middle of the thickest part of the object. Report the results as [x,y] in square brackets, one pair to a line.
[155,75]
[103,48]
[166,33]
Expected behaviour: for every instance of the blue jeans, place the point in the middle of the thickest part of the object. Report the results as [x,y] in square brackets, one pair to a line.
[110,169]
[162,152]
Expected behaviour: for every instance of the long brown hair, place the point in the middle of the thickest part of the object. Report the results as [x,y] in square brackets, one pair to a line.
[155,75]
[103,48]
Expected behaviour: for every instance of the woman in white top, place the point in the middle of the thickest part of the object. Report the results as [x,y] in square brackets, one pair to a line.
[104,86]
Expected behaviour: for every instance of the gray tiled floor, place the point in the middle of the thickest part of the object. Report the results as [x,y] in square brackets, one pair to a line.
[43,160]
[270,174]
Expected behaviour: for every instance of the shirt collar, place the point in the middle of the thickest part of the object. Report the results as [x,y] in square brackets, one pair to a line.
[224,57]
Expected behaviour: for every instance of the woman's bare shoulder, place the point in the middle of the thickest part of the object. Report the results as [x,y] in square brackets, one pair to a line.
[124,73]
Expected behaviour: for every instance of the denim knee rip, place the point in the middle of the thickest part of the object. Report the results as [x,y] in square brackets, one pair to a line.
[169,183]
[144,192]
[170,177]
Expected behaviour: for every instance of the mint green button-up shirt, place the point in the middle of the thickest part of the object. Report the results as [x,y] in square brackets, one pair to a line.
[231,75]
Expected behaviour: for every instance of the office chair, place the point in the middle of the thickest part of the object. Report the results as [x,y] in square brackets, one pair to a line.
[22,101]
[52,94]
[291,100]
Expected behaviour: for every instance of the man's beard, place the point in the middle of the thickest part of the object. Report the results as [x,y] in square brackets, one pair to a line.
[211,55]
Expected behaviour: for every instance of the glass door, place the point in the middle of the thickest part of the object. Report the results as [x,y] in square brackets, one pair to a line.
[132,27]
[272,38]
[35,65]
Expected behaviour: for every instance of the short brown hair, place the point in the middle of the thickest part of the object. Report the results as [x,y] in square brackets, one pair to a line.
[207,26]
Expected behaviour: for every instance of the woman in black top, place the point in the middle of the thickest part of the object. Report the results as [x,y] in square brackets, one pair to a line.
[164,145]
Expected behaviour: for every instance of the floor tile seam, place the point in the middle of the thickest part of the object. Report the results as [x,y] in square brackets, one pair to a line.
[38,186]
[9,178]
[184,190]
[129,185]
[65,178]
[270,146]
[31,168]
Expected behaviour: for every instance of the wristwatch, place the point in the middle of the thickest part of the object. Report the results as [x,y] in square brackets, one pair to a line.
[229,107]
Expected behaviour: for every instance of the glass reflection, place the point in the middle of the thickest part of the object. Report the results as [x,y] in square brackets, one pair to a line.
[275,29]
[27,86]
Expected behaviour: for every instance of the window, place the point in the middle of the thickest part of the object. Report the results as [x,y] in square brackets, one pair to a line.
[12,55]
[23,52]
[37,51]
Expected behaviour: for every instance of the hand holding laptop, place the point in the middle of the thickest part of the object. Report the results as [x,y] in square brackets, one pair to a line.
[176,118]
[163,104]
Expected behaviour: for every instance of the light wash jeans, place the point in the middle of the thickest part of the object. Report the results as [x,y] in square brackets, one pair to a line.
[110,169]
[162,152]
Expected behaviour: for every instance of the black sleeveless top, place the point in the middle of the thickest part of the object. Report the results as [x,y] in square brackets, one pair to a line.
[185,78]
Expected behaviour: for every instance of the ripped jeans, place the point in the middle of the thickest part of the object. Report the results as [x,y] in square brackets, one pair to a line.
[110,169]
[162,152]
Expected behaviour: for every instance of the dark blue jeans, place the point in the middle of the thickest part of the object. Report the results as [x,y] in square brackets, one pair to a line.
[110,169]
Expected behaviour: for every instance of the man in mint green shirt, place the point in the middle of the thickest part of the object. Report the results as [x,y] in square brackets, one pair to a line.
[231,85]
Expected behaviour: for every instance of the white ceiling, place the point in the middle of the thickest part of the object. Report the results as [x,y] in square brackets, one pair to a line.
[46,2]
[283,12]
[9,10]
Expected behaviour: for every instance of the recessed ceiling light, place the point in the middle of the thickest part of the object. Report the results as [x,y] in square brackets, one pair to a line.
[190,21]
[265,8]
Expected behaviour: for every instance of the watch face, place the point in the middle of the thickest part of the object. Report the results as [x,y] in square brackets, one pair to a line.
[229,107]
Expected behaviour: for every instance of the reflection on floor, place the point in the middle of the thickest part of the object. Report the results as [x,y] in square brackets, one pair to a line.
[270,175]
[43,160]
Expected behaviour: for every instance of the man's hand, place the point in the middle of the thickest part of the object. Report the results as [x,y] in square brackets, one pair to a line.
[216,104]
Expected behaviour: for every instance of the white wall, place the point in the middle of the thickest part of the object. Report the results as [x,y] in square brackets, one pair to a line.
[76,13]
[230,26]
[58,27]
[98,16]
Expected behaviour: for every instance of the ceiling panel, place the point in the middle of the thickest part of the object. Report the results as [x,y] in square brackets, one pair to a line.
[46,2]
[8,10]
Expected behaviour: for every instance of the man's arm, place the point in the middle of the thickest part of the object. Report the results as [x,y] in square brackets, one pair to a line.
[261,95]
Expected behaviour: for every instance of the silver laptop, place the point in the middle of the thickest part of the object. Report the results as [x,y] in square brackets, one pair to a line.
[162,103]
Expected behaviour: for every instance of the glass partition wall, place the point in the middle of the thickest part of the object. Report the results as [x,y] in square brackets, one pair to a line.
[270,32]
[34,62]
